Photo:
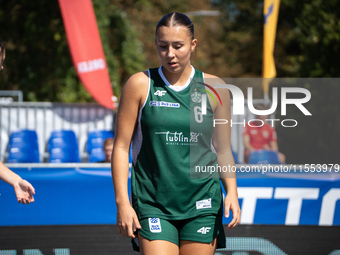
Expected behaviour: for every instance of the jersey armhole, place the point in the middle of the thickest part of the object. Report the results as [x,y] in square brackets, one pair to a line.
[147,95]
[138,136]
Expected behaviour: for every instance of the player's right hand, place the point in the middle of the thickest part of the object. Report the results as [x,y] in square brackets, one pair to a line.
[127,221]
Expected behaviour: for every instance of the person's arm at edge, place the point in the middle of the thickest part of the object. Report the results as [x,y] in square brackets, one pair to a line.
[221,142]
[23,189]
[129,105]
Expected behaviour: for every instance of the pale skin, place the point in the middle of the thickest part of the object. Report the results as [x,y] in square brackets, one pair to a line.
[174,48]
[24,191]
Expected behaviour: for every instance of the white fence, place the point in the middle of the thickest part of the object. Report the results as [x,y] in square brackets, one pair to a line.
[46,117]
[81,118]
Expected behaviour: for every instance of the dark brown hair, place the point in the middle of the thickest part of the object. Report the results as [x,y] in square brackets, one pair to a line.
[176,19]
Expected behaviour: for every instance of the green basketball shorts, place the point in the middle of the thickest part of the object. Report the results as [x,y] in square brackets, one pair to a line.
[199,229]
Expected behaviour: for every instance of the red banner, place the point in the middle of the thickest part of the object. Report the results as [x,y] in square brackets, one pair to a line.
[86,49]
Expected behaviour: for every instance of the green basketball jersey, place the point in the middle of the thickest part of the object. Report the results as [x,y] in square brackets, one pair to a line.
[171,137]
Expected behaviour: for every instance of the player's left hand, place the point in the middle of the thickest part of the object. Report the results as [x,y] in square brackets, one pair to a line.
[231,203]
[24,192]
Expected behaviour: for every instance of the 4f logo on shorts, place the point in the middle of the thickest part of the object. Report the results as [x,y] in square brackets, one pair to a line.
[160,93]
[155,225]
[203,230]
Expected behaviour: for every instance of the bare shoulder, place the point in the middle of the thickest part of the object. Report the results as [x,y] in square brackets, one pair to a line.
[138,81]
[136,88]
[212,80]
[208,75]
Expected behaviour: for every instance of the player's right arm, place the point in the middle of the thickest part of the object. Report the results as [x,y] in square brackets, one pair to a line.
[131,100]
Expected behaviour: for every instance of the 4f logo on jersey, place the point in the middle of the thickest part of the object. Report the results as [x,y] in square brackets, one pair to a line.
[203,230]
[160,93]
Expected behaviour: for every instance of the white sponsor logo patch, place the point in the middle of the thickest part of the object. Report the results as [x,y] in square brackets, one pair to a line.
[206,203]
[160,93]
[203,230]
[164,104]
[178,138]
[155,225]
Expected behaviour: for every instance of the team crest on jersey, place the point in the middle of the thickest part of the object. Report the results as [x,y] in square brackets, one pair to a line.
[155,225]
[196,97]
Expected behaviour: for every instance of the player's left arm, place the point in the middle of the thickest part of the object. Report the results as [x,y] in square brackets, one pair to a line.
[222,145]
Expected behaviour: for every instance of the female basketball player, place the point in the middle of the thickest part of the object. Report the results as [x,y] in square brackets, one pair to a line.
[161,110]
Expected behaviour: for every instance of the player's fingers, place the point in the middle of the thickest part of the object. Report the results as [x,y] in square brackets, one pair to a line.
[236,219]
[226,210]
[122,230]
[119,230]
[30,197]
[130,231]
[136,224]
[31,189]
[232,223]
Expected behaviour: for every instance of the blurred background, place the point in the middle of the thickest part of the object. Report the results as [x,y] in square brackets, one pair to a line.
[230,42]
[74,211]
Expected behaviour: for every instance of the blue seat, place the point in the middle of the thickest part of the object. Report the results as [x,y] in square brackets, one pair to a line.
[263,157]
[94,145]
[60,155]
[23,147]
[23,135]
[63,147]
[62,139]
[23,155]
[96,155]
[96,139]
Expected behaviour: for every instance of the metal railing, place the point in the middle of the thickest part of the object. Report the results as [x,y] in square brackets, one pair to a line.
[44,117]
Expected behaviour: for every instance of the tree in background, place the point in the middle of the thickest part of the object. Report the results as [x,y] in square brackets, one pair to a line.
[38,60]
[309,39]
[307,45]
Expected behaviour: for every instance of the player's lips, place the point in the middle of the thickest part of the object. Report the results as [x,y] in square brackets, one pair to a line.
[172,64]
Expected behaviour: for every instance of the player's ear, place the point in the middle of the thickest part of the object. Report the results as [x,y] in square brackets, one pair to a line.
[193,45]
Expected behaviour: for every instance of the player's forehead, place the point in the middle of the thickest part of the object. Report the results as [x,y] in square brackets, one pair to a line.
[178,33]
